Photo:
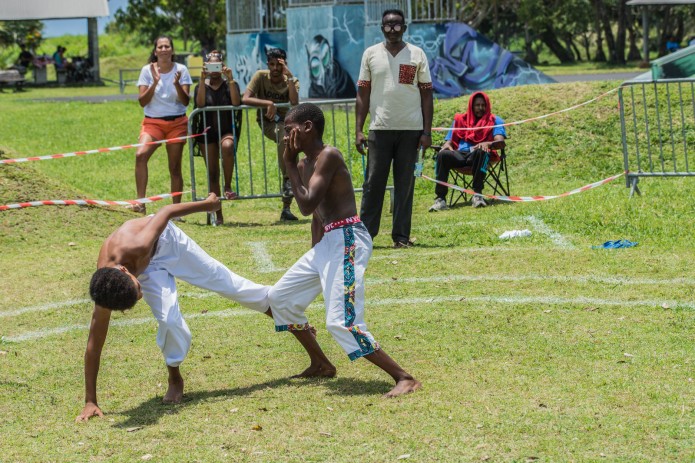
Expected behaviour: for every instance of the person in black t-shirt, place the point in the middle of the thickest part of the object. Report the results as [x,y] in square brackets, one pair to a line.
[216,90]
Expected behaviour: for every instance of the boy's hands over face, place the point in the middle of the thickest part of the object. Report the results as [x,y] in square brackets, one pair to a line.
[292,149]
[90,409]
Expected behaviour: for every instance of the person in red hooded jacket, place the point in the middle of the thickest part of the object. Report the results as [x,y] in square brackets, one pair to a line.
[470,147]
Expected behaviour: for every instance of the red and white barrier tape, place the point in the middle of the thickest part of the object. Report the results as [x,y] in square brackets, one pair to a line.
[98,150]
[91,202]
[529,198]
[446,129]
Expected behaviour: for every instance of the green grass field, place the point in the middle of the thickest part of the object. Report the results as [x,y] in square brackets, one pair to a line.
[532,349]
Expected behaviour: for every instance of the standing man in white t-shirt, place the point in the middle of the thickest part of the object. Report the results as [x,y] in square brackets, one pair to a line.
[395,87]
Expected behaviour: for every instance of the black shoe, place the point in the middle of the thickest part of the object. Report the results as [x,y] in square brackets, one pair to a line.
[286,214]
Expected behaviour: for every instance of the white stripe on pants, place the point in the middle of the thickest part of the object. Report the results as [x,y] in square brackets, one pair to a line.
[323,268]
[178,256]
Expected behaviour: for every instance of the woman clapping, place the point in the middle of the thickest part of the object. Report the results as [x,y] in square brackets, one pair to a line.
[164,94]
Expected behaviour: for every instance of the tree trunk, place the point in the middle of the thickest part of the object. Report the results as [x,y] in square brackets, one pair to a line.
[585,44]
[531,56]
[549,38]
[633,53]
[607,30]
[620,35]
[665,31]
[600,54]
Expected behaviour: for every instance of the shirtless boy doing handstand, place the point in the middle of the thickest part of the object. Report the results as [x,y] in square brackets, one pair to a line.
[336,264]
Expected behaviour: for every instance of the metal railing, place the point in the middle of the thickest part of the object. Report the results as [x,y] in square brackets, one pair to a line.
[271,15]
[256,15]
[657,122]
[130,76]
[256,171]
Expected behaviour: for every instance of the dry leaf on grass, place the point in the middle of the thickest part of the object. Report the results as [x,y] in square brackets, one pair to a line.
[257,427]
[133,429]
[204,311]
[146,457]
[327,434]
[403,457]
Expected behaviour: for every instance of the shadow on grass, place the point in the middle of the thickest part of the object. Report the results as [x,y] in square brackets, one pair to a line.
[149,412]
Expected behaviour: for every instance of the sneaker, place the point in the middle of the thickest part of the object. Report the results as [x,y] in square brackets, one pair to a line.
[404,244]
[286,214]
[287,189]
[478,201]
[439,205]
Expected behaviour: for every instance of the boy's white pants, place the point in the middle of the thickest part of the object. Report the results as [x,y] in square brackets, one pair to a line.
[336,266]
[178,256]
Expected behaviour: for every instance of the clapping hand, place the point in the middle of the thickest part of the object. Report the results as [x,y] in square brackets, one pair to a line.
[154,70]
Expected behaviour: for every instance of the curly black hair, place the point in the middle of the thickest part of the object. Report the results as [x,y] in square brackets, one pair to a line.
[276,53]
[112,289]
[308,112]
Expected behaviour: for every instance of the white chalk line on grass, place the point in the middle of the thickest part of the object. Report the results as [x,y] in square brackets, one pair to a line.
[511,278]
[133,322]
[263,259]
[554,236]
[610,280]
[549,300]
[404,253]
[44,307]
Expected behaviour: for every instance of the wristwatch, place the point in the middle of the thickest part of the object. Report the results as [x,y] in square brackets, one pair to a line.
[292,79]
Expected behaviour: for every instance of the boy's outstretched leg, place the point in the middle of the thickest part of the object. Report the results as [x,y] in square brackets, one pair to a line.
[405,383]
[320,365]
[174,394]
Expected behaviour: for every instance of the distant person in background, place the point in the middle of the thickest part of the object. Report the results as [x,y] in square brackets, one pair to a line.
[218,88]
[24,60]
[61,63]
[164,87]
[266,88]
[672,44]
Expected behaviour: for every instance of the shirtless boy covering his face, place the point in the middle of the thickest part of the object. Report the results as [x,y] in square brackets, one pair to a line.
[336,264]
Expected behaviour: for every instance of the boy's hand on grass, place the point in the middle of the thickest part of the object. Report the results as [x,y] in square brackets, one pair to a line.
[90,409]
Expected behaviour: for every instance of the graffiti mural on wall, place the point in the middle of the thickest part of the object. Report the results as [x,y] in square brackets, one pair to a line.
[325,44]
[325,54]
[468,61]
[246,53]
[328,78]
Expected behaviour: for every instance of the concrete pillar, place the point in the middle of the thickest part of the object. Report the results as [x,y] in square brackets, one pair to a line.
[93,44]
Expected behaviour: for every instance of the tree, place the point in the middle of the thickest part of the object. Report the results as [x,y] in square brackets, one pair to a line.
[200,20]
[26,33]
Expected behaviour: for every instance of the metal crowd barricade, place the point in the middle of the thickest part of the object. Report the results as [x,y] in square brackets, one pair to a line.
[131,76]
[256,171]
[657,120]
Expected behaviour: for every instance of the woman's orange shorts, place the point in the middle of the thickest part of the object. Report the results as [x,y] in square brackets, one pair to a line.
[159,129]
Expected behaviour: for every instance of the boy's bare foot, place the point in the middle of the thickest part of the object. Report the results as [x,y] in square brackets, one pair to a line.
[320,370]
[404,386]
[174,394]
